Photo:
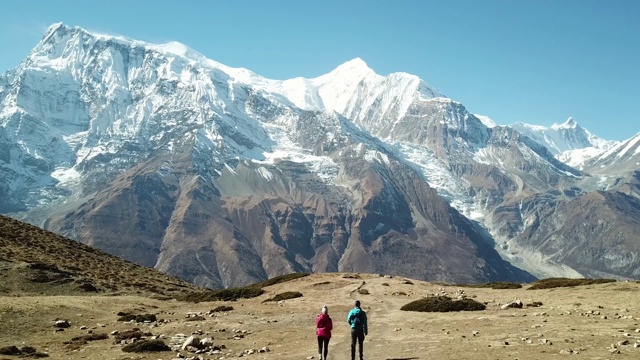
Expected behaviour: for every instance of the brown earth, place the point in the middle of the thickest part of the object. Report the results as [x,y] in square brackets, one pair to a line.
[36,261]
[584,319]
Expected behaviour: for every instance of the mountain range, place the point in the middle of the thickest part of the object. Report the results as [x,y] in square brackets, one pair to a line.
[222,177]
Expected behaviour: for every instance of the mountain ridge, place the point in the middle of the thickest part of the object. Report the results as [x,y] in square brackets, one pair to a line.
[353,171]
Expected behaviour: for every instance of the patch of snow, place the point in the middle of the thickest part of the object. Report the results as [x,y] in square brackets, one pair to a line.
[230,169]
[266,174]
[286,150]
[434,171]
[487,121]
[66,176]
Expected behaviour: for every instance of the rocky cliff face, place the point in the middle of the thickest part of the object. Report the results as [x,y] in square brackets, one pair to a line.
[222,177]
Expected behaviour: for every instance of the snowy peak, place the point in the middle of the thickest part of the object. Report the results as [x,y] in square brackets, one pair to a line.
[620,158]
[486,121]
[563,137]
[353,68]
[569,124]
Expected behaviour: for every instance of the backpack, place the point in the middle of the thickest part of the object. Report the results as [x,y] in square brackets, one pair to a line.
[357,323]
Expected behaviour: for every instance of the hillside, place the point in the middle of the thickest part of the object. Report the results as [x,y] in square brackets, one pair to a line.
[582,320]
[36,261]
[222,177]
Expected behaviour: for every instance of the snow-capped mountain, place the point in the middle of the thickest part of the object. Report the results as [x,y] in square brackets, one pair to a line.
[568,142]
[622,158]
[563,137]
[223,177]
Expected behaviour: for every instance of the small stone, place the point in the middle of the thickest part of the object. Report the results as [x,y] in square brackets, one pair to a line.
[517,304]
[62,324]
[623,342]
[191,341]
[614,351]
[475,333]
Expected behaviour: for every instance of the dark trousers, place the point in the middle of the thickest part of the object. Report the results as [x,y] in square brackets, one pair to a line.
[359,336]
[323,346]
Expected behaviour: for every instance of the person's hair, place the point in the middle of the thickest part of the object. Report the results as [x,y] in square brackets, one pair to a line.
[325,309]
[357,303]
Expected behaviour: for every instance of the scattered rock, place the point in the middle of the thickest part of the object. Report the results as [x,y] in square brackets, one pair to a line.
[63,324]
[191,341]
[569,352]
[517,304]
[206,342]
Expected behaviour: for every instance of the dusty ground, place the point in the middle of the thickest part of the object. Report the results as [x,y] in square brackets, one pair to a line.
[287,328]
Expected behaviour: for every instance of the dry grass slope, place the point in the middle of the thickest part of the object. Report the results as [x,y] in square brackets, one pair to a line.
[33,260]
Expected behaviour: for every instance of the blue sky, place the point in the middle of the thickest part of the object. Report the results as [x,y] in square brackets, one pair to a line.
[533,61]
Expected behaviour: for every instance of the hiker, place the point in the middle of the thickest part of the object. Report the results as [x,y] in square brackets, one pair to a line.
[324,326]
[357,318]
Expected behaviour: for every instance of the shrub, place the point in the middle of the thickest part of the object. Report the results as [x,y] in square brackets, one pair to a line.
[535,304]
[88,287]
[385,284]
[281,279]
[495,285]
[222,308]
[138,318]
[285,296]
[28,350]
[195,318]
[443,304]
[10,350]
[231,294]
[134,333]
[363,291]
[90,337]
[146,346]
[126,317]
[551,283]
[25,351]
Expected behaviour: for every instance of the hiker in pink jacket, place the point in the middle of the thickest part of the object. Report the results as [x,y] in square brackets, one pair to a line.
[324,326]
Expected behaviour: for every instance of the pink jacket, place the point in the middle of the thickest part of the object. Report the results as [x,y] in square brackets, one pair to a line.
[324,325]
